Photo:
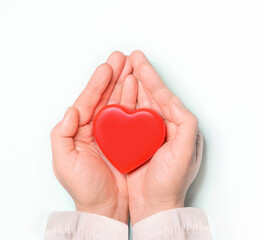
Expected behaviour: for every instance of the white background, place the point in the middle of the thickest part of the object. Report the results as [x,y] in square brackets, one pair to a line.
[210,53]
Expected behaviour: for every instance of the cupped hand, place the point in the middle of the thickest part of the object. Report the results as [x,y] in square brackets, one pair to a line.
[162,183]
[95,186]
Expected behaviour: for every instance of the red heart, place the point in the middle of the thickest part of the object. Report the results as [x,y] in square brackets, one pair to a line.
[128,138]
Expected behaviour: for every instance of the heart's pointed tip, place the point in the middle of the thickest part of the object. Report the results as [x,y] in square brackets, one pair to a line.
[126,171]
[123,169]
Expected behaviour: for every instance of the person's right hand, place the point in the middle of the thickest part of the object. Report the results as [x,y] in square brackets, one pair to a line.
[95,186]
[161,184]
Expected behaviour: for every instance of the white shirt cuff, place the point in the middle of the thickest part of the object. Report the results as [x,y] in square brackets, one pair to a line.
[84,226]
[180,224]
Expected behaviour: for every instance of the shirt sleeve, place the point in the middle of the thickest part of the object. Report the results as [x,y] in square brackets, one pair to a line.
[179,224]
[84,226]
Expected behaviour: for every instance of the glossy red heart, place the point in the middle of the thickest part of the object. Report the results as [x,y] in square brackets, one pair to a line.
[128,138]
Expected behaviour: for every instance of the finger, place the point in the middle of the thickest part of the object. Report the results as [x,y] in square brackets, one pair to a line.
[145,97]
[91,95]
[129,92]
[117,62]
[186,132]
[143,100]
[115,97]
[152,81]
[63,133]
[153,104]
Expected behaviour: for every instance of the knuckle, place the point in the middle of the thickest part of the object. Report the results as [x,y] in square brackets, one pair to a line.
[192,118]
[195,120]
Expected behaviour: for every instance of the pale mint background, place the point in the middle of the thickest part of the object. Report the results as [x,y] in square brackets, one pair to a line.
[209,52]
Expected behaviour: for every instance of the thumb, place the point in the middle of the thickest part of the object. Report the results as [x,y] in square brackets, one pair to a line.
[186,131]
[63,133]
[69,125]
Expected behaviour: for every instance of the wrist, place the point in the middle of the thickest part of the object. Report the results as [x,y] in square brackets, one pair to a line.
[117,211]
[140,211]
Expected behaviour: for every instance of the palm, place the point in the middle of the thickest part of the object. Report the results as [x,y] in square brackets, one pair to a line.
[161,183]
[154,177]
[91,175]
[95,185]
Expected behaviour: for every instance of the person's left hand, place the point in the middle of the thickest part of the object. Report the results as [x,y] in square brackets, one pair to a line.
[161,183]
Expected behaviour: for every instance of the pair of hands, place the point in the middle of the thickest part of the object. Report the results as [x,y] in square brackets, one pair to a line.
[93,183]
